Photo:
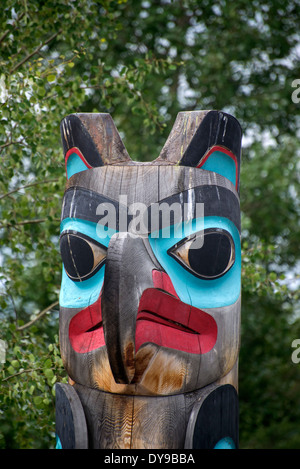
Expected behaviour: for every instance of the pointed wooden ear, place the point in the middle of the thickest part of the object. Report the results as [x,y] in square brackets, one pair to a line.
[181,135]
[90,141]
[208,140]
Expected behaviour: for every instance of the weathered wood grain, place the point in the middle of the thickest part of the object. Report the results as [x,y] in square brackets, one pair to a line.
[71,425]
[146,184]
[126,422]
[96,136]
[197,420]
[128,273]
[181,135]
[146,386]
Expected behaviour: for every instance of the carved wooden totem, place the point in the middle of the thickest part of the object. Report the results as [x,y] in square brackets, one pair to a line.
[151,282]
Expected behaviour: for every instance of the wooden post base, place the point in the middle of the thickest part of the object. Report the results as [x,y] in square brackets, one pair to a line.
[89,418]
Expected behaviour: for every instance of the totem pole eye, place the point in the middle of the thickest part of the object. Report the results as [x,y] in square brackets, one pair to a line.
[82,257]
[208,255]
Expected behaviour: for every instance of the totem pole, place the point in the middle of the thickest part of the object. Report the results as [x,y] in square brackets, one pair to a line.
[151,283]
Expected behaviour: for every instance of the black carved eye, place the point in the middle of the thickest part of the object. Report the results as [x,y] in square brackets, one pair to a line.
[82,256]
[208,255]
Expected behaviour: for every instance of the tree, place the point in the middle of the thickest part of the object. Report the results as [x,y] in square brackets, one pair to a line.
[144,61]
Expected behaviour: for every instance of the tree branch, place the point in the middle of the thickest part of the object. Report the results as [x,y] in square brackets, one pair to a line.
[42,313]
[20,373]
[26,222]
[14,25]
[27,185]
[34,52]
[11,143]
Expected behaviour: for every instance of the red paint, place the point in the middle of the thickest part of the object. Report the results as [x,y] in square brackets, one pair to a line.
[162,319]
[78,153]
[165,320]
[82,338]
[162,281]
[228,153]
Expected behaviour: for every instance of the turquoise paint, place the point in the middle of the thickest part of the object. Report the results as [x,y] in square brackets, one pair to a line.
[225,443]
[75,165]
[200,293]
[82,294]
[222,164]
[192,290]
[58,443]
[87,228]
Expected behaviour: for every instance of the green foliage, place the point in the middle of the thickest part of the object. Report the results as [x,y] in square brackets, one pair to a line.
[143,62]
[28,389]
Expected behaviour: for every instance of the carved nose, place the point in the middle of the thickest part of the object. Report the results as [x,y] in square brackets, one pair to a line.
[128,272]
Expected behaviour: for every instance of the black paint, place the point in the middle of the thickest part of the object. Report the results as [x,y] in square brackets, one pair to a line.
[218,201]
[79,137]
[217,418]
[217,128]
[212,259]
[78,256]
[69,417]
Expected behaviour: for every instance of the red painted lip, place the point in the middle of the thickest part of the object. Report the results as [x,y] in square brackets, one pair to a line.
[86,330]
[162,319]
[165,320]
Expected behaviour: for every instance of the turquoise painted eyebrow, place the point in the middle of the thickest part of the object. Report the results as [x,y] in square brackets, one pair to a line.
[88,228]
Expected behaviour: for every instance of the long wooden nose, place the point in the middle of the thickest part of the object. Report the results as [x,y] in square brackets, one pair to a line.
[128,272]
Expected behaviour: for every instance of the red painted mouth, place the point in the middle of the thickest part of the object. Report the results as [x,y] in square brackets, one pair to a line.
[86,329]
[165,320]
[162,319]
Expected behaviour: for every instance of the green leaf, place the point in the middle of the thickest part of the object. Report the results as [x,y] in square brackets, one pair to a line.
[48,363]
[11,370]
[51,78]
[15,364]
[48,373]
[41,92]
[37,400]
[273,276]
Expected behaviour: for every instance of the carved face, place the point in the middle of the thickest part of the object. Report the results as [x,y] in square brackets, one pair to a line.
[150,294]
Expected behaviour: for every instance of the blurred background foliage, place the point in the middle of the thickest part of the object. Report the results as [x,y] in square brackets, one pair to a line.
[144,61]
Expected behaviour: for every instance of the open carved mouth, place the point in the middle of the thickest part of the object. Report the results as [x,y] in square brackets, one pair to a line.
[165,320]
[162,319]
[86,329]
